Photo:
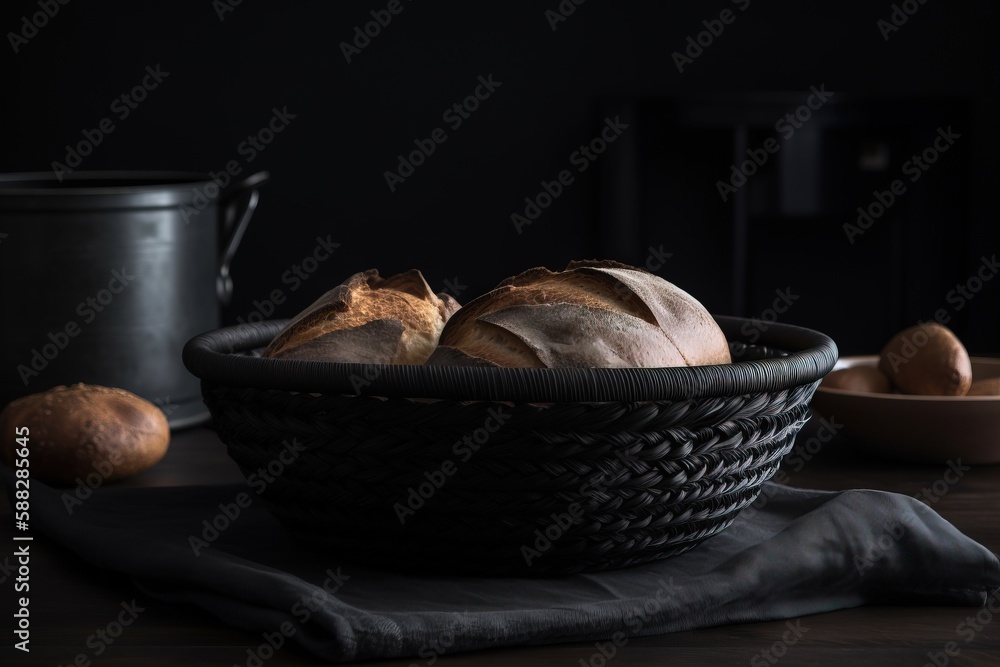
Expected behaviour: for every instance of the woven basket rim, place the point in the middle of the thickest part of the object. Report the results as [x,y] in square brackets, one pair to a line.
[220,357]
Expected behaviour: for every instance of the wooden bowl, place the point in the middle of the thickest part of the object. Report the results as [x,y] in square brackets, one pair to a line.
[928,429]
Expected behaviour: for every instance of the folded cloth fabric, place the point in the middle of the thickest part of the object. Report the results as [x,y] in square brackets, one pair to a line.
[796,552]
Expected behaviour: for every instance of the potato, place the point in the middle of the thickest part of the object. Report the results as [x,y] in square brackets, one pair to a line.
[77,430]
[927,359]
[858,378]
[987,387]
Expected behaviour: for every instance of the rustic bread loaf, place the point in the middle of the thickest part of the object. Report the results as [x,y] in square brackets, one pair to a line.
[927,359]
[77,431]
[368,319]
[593,314]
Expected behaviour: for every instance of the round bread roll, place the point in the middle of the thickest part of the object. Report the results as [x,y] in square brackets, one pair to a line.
[593,314]
[76,431]
[368,319]
[927,359]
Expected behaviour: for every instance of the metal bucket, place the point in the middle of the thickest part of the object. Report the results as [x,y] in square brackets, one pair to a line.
[106,275]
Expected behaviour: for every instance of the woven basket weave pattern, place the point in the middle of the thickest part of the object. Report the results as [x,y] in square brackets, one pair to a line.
[610,468]
[666,475]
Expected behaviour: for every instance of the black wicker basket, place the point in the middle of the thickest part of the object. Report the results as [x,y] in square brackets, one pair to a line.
[510,470]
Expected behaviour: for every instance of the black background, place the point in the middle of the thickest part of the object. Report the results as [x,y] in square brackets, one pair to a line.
[451,218]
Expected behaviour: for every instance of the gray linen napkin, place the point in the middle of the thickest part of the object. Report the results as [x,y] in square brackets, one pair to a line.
[797,552]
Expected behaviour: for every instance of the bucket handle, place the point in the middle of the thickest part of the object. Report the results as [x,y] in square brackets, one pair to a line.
[237,205]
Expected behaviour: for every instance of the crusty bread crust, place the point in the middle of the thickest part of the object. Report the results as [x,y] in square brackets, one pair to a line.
[595,313]
[331,328]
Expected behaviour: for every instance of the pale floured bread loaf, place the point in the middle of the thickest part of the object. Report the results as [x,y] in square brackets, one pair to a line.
[368,319]
[593,314]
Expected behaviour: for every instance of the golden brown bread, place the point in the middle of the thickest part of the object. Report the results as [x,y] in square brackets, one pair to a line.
[593,314]
[78,430]
[927,359]
[368,319]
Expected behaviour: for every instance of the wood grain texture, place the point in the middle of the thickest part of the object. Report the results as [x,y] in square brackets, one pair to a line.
[70,599]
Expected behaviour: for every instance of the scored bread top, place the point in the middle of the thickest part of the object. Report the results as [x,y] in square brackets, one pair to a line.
[596,313]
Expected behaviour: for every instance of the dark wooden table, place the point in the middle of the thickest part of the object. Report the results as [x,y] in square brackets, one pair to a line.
[70,599]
